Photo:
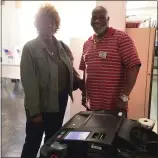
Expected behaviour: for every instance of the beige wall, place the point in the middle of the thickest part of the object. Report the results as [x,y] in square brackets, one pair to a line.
[117,12]
[76,46]
[139,98]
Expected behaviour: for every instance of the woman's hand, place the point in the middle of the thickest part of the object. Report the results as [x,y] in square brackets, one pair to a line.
[84,101]
[81,85]
[37,119]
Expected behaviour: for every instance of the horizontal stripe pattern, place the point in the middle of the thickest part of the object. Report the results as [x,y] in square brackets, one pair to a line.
[105,78]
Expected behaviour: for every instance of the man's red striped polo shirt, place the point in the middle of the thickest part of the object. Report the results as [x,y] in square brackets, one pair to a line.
[105,77]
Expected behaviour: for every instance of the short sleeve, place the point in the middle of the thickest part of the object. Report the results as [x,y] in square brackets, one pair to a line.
[129,55]
[82,65]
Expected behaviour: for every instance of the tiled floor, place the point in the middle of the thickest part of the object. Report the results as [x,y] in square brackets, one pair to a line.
[13,120]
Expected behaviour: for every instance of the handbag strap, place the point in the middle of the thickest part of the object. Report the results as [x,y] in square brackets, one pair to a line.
[69,54]
[67,50]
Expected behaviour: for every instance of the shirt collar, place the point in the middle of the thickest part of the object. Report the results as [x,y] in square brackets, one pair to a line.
[109,33]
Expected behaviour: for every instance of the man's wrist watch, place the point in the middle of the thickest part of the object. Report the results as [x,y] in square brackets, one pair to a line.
[124,98]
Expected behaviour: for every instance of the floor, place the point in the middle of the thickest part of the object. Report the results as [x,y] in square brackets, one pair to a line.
[13,118]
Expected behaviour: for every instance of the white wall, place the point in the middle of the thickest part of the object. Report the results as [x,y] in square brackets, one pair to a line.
[74,22]
[130,5]
[10,25]
[18,23]
[10,30]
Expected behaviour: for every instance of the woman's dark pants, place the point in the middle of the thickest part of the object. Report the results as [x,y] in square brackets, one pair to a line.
[52,122]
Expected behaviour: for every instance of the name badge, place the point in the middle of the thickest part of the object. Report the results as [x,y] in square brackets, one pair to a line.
[102,54]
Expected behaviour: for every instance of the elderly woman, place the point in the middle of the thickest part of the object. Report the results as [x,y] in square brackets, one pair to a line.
[47,79]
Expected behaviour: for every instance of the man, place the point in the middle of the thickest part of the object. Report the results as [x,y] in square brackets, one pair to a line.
[110,64]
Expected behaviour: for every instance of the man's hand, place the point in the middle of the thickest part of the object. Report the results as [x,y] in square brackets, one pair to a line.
[121,105]
[37,119]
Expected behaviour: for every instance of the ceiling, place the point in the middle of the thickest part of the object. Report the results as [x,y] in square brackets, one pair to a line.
[143,5]
[141,10]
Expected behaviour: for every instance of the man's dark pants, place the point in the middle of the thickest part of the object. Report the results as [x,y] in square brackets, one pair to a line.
[52,122]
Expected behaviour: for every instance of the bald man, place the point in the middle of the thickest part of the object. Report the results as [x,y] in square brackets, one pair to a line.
[110,64]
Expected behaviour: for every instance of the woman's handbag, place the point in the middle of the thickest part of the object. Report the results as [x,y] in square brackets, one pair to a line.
[76,77]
